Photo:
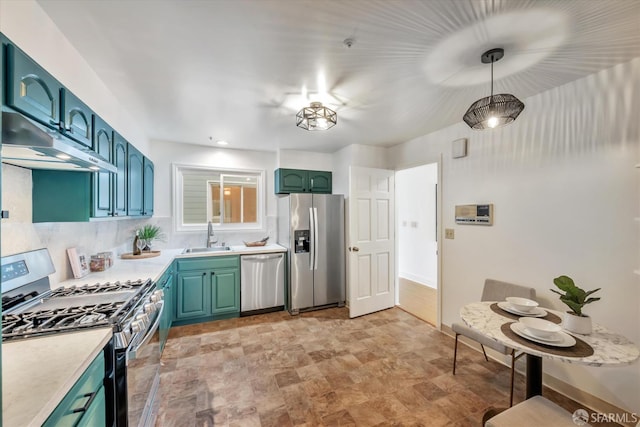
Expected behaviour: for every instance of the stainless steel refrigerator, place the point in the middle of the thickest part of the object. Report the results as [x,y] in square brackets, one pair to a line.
[311,227]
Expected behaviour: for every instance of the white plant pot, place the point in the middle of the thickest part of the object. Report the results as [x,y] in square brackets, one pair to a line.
[577,324]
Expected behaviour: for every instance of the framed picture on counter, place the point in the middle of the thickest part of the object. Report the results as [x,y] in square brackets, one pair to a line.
[79,263]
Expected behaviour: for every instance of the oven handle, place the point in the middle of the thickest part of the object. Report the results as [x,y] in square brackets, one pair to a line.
[131,351]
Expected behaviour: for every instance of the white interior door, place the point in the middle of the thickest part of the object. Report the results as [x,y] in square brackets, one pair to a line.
[371,240]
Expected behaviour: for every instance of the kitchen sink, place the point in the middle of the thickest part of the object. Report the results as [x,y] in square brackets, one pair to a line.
[212,249]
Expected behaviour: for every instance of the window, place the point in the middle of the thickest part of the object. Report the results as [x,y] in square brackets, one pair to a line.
[230,199]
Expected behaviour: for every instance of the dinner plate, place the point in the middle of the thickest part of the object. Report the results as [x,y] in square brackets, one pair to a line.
[564,339]
[536,312]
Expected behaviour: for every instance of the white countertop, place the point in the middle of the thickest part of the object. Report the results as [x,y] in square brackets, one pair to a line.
[38,372]
[153,268]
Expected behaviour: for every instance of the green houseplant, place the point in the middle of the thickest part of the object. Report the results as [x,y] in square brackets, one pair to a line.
[575,298]
[150,232]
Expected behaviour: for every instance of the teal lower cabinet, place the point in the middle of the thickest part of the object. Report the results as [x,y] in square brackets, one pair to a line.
[225,291]
[207,288]
[193,288]
[85,403]
[166,283]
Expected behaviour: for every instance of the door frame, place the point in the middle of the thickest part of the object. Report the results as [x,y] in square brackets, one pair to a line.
[439,235]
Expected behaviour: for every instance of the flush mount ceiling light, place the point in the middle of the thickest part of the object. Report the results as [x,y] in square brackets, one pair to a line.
[316,117]
[495,110]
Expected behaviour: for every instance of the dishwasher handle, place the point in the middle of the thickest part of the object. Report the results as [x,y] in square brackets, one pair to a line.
[262,257]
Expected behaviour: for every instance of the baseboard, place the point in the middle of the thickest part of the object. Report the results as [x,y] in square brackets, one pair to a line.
[425,281]
[572,392]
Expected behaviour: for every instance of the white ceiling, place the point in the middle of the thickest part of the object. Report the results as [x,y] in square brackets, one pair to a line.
[189,70]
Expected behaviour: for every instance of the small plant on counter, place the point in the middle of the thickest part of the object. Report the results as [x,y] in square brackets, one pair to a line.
[573,296]
[150,232]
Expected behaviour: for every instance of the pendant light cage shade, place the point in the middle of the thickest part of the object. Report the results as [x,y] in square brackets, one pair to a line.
[493,111]
[316,117]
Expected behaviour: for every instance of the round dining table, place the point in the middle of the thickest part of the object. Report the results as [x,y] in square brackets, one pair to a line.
[600,348]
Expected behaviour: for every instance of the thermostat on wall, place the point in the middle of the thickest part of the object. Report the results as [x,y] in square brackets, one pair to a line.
[474,214]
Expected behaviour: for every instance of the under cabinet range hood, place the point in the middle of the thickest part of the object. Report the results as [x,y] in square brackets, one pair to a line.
[27,144]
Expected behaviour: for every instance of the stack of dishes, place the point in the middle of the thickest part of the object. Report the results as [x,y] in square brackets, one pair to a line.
[543,332]
[522,307]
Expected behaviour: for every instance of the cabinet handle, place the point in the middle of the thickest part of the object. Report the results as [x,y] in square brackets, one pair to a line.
[88,403]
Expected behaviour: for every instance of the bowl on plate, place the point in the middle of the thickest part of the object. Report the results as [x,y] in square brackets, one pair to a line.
[540,328]
[523,305]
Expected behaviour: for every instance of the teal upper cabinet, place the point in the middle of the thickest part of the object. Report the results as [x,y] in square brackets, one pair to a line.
[147,193]
[290,181]
[102,194]
[302,181]
[320,182]
[60,196]
[77,121]
[120,178]
[135,186]
[30,89]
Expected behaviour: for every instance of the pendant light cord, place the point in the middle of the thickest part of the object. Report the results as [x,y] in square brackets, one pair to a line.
[492,61]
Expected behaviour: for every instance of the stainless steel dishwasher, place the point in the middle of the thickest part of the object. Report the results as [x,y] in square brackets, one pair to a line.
[261,283]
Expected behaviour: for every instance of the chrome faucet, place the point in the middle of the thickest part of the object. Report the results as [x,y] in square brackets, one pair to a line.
[211,238]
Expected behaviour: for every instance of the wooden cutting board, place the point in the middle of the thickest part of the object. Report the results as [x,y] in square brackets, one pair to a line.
[142,255]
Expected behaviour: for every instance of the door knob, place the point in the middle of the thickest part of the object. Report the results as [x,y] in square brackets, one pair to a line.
[354,249]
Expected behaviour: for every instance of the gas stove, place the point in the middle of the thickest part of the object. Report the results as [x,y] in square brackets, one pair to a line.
[132,309]
[74,308]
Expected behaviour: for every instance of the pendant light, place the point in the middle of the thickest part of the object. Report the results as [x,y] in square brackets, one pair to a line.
[316,117]
[495,110]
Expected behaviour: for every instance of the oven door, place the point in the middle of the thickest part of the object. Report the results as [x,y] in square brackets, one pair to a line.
[143,374]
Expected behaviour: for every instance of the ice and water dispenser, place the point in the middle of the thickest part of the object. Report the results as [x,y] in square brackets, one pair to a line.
[301,241]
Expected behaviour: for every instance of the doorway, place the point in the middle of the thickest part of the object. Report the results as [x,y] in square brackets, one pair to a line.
[417,241]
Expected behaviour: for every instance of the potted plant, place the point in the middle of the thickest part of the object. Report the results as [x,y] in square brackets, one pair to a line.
[148,233]
[576,298]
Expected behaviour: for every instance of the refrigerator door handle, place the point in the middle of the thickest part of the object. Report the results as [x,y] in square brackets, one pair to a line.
[312,248]
[316,244]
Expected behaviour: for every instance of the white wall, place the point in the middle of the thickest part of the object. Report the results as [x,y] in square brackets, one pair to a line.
[30,28]
[565,190]
[168,153]
[416,224]
[355,155]
[295,159]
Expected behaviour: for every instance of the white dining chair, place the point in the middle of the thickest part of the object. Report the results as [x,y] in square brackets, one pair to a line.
[494,290]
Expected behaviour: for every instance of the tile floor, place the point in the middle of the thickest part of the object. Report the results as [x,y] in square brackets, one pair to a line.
[324,369]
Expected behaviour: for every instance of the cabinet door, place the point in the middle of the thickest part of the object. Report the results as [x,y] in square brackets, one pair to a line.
[147,194]
[135,174]
[320,182]
[225,292]
[60,196]
[87,390]
[31,89]
[102,205]
[290,181]
[120,177]
[192,291]
[96,413]
[77,121]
